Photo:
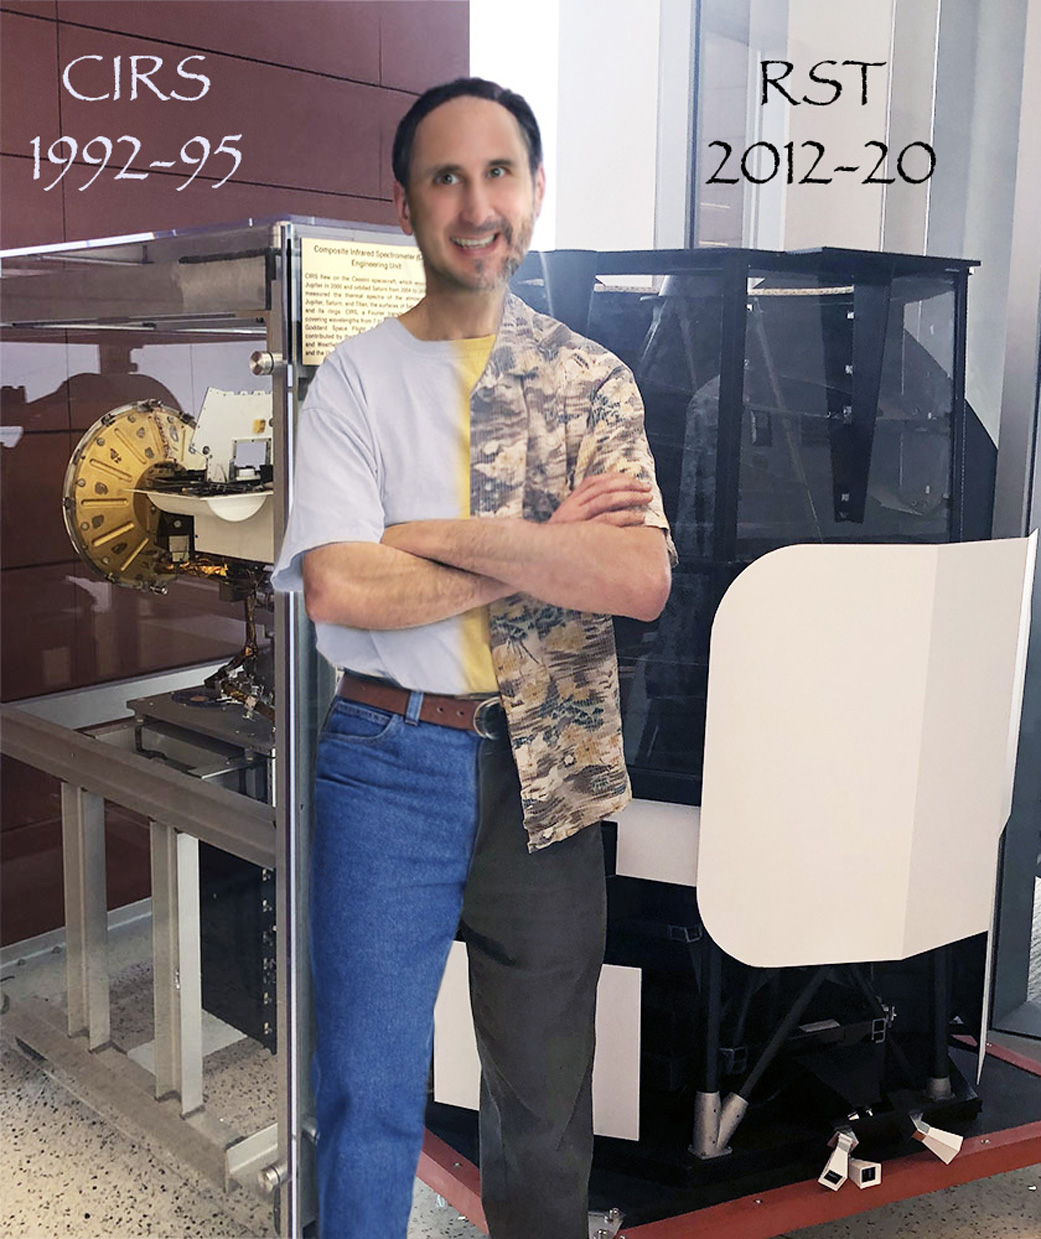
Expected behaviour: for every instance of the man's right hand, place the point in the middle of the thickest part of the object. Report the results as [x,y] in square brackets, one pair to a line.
[613,498]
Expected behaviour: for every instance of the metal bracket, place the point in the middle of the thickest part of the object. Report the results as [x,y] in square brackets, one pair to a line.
[248,1161]
[605,1225]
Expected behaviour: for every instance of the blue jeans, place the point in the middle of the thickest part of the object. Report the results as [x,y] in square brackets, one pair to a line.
[404,811]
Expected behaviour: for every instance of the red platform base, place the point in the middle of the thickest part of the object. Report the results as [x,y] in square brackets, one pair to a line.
[785,1208]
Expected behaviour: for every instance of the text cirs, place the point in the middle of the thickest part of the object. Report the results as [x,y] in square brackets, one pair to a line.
[136,76]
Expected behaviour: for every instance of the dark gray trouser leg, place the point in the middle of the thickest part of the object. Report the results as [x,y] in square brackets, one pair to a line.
[534,926]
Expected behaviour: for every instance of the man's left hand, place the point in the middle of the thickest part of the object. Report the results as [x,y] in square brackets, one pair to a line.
[611,498]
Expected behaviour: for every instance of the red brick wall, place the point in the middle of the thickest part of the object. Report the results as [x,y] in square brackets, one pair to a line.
[314,88]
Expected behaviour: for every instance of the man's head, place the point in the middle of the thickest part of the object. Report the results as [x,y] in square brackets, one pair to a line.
[469,183]
[475,88]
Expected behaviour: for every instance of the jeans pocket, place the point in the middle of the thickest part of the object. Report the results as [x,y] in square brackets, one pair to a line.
[354,723]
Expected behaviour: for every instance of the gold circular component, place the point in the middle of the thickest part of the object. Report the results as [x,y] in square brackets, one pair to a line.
[110,523]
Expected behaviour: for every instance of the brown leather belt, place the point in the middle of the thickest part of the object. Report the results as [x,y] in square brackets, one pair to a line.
[482,715]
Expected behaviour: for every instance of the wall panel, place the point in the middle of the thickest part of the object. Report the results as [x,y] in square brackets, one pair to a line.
[91,395]
[38,401]
[32,530]
[298,130]
[29,858]
[38,634]
[423,43]
[314,86]
[336,37]
[47,9]
[27,795]
[29,855]
[29,83]
[126,632]
[28,216]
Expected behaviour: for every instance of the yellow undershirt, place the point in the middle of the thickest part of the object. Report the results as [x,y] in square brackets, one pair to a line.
[479,670]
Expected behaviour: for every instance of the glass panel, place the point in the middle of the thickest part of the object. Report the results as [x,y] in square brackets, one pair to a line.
[133,357]
[846,425]
[668,330]
[127,369]
[846,435]
[724,84]
[66,626]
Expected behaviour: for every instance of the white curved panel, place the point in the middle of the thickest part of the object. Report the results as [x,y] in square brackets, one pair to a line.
[863,705]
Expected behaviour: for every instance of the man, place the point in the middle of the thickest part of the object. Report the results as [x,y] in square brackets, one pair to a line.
[474,499]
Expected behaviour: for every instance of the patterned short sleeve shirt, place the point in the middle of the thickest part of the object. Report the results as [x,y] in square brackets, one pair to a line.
[551,408]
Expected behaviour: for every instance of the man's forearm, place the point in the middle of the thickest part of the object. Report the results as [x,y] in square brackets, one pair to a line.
[585,566]
[368,585]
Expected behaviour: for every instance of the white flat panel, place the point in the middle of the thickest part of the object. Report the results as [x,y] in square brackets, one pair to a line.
[224,417]
[457,1068]
[616,1068]
[971,718]
[607,138]
[860,707]
[658,841]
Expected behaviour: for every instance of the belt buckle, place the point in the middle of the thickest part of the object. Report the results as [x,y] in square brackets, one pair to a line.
[484,724]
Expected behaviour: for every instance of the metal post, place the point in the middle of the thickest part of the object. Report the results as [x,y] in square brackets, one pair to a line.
[712,1007]
[177,966]
[86,913]
[707,1105]
[165,998]
[939,1084]
[300,694]
[734,321]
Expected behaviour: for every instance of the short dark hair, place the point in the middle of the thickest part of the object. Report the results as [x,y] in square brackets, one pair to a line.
[479,88]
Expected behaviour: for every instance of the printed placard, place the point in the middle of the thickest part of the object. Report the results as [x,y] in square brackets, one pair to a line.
[350,286]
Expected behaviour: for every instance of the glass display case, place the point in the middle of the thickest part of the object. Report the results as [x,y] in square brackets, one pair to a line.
[160,704]
[789,398]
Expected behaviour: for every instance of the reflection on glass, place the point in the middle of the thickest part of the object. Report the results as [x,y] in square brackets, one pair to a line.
[65,626]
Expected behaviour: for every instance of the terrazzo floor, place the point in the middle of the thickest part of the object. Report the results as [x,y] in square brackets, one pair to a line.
[67,1170]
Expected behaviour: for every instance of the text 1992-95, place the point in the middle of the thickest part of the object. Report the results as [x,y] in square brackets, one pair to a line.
[98,152]
[129,78]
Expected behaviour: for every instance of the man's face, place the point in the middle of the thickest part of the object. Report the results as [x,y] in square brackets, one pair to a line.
[471,201]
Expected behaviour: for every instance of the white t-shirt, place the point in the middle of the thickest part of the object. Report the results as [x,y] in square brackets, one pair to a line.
[384,437]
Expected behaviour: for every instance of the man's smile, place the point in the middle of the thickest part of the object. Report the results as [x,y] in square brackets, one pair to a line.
[476,243]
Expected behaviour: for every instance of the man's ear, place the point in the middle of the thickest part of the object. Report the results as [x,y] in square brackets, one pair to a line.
[401,206]
[540,188]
